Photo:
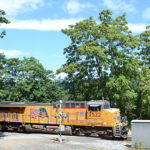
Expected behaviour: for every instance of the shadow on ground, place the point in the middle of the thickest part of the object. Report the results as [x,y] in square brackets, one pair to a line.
[2,135]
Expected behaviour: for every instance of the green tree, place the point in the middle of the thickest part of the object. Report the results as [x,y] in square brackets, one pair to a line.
[143,88]
[3,19]
[2,65]
[28,80]
[101,61]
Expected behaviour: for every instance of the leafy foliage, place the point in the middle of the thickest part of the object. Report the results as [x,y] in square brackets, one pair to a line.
[103,61]
[3,19]
[143,88]
[27,80]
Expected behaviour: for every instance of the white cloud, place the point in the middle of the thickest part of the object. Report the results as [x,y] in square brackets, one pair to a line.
[56,25]
[146,13]
[120,5]
[11,53]
[73,7]
[60,76]
[137,28]
[43,25]
[13,7]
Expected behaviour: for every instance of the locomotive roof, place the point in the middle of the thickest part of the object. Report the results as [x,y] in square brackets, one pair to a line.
[98,102]
[92,102]
[23,103]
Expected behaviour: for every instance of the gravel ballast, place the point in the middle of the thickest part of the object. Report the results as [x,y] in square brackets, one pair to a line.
[40,141]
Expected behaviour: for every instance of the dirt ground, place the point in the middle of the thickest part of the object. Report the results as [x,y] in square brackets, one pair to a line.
[41,141]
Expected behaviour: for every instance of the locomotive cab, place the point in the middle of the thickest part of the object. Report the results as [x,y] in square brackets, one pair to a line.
[95,107]
[99,111]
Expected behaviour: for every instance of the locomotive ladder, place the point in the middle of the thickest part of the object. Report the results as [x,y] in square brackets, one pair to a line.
[117,131]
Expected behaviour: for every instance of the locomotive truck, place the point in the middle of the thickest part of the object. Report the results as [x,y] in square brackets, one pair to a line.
[80,118]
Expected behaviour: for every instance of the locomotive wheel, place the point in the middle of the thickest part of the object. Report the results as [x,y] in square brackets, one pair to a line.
[101,135]
[124,136]
[124,133]
[4,129]
[1,127]
[78,132]
[87,134]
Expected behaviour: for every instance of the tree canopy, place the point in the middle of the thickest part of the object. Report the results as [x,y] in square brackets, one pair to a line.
[27,80]
[106,60]
[3,19]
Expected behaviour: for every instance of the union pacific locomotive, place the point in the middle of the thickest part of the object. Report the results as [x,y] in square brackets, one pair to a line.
[79,117]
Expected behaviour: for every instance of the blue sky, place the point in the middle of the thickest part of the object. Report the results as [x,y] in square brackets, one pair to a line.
[35,24]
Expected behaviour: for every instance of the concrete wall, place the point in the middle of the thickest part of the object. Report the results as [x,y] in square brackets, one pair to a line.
[141,133]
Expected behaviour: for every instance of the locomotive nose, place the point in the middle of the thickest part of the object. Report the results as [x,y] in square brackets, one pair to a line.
[117,118]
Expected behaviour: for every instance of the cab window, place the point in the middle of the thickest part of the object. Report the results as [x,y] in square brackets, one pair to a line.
[94,108]
[106,106]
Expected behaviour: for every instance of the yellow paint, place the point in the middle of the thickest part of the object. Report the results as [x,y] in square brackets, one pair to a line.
[76,116]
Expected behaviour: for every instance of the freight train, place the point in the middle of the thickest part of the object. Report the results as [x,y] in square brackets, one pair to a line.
[78,117]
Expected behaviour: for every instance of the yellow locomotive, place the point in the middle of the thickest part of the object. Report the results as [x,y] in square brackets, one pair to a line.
[79,117]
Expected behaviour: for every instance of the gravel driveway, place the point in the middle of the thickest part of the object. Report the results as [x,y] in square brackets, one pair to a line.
[40,141]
